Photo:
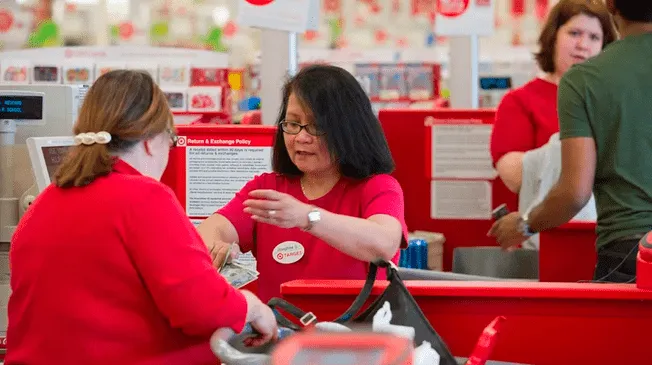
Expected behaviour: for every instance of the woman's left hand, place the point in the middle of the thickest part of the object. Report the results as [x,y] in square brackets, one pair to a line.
[279,209]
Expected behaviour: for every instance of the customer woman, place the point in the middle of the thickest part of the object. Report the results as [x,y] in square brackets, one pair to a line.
[105,266]
[329,207]
[526,118]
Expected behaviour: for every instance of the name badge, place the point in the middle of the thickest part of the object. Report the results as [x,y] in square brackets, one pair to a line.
[288,252]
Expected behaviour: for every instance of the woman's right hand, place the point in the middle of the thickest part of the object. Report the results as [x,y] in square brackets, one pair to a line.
[223,253]
[262,320]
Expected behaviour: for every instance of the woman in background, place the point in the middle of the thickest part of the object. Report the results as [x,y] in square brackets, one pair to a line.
[330,207]
[106,268]
[526,118]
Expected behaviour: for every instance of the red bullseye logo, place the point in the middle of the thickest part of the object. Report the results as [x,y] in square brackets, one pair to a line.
[279,256]
[259,2]
[452,8]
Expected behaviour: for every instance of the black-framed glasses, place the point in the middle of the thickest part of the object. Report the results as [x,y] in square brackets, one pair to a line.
[295,128]
[173,137]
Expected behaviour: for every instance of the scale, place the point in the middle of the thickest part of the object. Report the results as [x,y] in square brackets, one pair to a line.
[337,348]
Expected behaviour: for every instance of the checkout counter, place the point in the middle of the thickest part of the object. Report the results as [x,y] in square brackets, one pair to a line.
[546,323]
[553,321]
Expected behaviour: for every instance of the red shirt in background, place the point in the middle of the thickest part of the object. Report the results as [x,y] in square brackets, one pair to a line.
[525,119]
[380,194]
[114,273]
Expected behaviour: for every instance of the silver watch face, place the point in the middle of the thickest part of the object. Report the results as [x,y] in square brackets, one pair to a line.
[314,216]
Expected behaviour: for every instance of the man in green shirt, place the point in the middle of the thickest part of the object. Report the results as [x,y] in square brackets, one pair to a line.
[605,118]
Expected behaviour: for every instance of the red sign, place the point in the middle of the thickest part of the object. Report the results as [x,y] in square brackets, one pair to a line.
[259,2]
[6,20]
[452,8]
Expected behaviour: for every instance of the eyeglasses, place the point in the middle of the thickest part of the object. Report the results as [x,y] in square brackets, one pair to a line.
[295,128]
[173,137]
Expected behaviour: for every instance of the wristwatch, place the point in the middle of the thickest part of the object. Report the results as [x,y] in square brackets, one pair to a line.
[524,227]
[313,217]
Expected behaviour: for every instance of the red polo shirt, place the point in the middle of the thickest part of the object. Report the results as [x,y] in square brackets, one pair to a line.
[525,119]
[305,256]
[114,273]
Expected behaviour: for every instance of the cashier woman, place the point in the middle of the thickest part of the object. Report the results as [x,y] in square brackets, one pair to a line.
[329,207]
[105,266]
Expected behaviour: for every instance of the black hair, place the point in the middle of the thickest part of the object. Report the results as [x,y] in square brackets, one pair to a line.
[635,10]
[342,110]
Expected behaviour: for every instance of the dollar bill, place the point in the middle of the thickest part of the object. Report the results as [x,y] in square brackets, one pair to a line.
[246,260]
[237,275]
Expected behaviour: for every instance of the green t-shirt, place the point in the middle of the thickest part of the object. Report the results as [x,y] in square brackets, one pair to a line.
[609,98]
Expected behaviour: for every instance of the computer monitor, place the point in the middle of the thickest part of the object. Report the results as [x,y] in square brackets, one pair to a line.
[46,154]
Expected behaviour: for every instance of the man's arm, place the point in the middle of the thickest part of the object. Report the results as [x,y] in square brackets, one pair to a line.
[578,165]
[578,158]
[573,189]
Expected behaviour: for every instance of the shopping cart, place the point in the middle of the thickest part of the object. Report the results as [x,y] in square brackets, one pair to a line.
[229,347]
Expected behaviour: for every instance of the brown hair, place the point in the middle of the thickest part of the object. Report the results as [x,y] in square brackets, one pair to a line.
[126,104]
[559,15]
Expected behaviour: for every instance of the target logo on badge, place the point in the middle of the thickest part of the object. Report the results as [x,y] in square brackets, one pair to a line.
[259,2]
[181,141]
[288,252]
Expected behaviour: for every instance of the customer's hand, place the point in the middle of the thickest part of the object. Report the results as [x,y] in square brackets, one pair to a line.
[262,320]
[507,231]
[279,209]
[223,253]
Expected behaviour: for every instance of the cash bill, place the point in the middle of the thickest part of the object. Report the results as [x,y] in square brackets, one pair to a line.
[238,275]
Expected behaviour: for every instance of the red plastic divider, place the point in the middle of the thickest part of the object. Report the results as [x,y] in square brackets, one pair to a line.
[409,140]
[546,323]
[216,135]
[567,253]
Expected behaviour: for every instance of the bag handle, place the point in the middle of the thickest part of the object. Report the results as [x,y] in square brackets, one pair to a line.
[307,318]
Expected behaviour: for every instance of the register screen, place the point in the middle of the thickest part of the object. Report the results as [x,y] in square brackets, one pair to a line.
[53,156]
[21,107]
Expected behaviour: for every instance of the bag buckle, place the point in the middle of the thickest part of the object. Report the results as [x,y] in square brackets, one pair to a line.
[308,319]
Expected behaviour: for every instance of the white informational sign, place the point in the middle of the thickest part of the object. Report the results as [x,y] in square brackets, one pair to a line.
[465,17]
[216,169]
[461,151]
[288,15]
[460,199]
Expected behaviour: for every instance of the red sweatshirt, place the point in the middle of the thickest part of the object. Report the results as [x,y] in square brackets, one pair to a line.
[114,273]
[525,119]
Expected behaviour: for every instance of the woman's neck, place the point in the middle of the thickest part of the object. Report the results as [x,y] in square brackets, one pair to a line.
[552,78]
[138,162]
[317,185]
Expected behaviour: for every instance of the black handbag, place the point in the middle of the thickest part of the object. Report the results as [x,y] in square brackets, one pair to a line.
[405,311]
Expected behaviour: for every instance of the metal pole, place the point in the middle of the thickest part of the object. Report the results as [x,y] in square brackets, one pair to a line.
[293,64]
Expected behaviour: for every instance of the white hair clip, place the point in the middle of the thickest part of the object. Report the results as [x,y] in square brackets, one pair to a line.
[92,138]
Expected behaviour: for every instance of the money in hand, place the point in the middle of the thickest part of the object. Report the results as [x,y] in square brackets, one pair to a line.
[237,275]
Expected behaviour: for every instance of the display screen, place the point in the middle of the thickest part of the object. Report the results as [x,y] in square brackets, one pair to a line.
[495,83]
[314,356]
[53,156]
[21,107]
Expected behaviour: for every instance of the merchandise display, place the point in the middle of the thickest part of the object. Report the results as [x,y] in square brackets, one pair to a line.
[191,87]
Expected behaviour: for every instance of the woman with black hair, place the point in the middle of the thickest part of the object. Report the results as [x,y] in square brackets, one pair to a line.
[329,207]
